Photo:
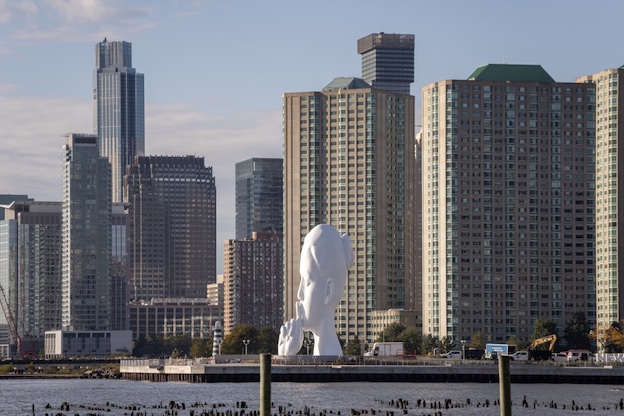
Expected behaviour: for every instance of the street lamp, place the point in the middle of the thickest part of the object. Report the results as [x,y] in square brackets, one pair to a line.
[245,342]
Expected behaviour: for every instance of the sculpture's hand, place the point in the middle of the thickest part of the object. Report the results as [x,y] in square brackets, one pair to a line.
[291,336]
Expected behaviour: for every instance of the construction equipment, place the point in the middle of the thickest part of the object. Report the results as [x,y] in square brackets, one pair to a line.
[536,354]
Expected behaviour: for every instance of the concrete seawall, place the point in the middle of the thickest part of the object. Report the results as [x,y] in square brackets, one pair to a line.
[189,371]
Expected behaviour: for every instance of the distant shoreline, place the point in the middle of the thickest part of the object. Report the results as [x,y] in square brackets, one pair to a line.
[40,376]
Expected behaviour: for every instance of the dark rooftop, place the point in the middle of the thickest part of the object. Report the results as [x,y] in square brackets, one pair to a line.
[509,72]
[349,83]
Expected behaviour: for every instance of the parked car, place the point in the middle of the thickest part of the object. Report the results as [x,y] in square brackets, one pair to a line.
[457,354]
[559,357]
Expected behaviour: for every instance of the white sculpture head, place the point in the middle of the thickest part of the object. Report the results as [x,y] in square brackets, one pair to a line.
[325,259]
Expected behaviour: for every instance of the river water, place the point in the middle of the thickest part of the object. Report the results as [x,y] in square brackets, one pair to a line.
[121,397]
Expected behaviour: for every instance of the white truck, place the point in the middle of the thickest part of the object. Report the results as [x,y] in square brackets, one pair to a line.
[385,349]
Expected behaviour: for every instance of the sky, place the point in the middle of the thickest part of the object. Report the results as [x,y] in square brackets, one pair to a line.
[215,70]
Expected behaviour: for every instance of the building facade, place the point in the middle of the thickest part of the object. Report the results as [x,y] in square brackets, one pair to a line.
[35,244]
[171,227]
[259,197]
[6,199]
[61,344]
[118,270]
[86,240]
[170,317]
[388,61]
[349,162]
[508,203]
[118,109]
[253,283]
[609,129]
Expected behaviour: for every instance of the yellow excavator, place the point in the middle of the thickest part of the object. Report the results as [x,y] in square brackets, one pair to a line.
[535,354]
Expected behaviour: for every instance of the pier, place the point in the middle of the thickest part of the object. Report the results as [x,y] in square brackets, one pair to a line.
[413,371]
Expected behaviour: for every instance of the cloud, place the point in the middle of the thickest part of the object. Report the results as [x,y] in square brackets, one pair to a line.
[93,10]
[5,12]
[72,20]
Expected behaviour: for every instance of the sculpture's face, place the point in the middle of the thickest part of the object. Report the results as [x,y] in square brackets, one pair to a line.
[311,305]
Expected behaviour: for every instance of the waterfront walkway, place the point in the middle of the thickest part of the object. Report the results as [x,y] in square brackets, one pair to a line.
[372,370]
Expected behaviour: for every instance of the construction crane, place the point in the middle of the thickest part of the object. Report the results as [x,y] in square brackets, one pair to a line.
[11,323]
[542,354]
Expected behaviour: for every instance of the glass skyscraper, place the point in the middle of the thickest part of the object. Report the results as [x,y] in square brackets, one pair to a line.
[86,244]
[118,109]
[259,197]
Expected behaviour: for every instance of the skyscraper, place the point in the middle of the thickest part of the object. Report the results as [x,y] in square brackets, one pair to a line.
[349,162]
[171,227]
[86,244]
[31,232]
[118,109]
[507,202]
[388,61]
[609,85]
[259,197]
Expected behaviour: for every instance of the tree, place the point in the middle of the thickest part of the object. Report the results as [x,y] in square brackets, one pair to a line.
[514,340]
[477,341]
[429,342]
[446,344]
[267,340]
[233,342]
[353,347]
[576,332]
[391,333]
[542,328]
[412,341]
[180,343]
[611,339]
[201,347]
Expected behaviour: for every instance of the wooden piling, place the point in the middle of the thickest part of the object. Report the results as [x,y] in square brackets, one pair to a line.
[265,384]
[504,382]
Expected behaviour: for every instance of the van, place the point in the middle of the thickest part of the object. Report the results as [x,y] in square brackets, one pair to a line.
[559,357]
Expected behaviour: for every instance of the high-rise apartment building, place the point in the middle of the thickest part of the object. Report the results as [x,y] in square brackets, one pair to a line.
[259,197]
[609,85]
[34,241]
[508,160]
[30,274]
[388,61]
[253,283]
[86,240]
[171,227]
[118,109]
[349,162]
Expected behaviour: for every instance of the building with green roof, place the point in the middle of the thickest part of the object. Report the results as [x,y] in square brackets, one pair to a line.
[511,73]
